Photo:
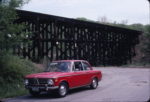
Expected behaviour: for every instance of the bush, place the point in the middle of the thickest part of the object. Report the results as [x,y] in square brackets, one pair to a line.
[12,71]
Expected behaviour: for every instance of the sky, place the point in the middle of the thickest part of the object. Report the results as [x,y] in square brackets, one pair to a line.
[132,11]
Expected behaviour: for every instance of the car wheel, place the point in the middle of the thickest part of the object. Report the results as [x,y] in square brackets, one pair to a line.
[34,93]
[62,90]
[94,84]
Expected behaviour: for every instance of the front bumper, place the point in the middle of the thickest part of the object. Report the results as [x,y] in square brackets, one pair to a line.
[41,88]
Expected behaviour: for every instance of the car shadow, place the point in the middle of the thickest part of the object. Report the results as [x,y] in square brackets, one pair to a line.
[52,95]
[75,91]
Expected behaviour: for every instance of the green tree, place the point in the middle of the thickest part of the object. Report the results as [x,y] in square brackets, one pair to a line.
[137,26]
[84,19]
[146,45]
[10,33]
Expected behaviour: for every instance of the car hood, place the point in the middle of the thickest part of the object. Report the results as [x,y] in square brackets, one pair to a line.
[47,75]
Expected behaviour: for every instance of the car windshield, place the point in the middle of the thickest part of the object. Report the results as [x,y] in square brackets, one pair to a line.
[59,67]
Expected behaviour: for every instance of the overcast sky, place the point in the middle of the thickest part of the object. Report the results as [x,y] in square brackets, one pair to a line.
[134,11]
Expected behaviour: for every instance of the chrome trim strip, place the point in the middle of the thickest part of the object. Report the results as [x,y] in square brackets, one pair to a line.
[42,87]
[52,88]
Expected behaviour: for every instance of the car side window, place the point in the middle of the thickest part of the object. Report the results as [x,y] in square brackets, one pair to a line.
[78,66]
[86,66]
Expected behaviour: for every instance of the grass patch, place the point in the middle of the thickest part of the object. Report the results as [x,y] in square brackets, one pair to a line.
[12,90]
[12,72]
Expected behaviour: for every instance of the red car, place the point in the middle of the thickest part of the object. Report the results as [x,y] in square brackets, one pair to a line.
[63,75]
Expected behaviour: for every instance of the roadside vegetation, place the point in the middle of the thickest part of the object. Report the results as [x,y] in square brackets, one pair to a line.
[12,72]
[12,68]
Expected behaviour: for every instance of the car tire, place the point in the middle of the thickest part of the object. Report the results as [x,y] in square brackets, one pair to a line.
[34,93]
[94,83]
[62,90]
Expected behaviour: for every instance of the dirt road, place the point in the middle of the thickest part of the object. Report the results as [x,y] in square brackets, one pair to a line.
[117,85]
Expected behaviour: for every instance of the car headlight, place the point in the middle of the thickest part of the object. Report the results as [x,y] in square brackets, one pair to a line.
[26,81]
[50,82]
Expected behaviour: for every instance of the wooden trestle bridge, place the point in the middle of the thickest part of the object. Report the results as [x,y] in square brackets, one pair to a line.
[63,38]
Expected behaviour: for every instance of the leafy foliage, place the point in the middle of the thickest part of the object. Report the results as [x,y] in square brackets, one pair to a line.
[10,34]
[12,68]
[12,72]
[146,45]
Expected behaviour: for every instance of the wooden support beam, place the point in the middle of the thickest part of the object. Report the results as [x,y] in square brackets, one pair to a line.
[63,38]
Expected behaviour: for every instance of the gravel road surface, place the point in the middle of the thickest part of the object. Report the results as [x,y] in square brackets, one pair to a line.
[117,85]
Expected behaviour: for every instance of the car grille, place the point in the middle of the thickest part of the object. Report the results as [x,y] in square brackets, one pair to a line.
[39,81]
[42,81]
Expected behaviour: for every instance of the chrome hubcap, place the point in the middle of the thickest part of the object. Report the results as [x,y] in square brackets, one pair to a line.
[62,90]
[94,82]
